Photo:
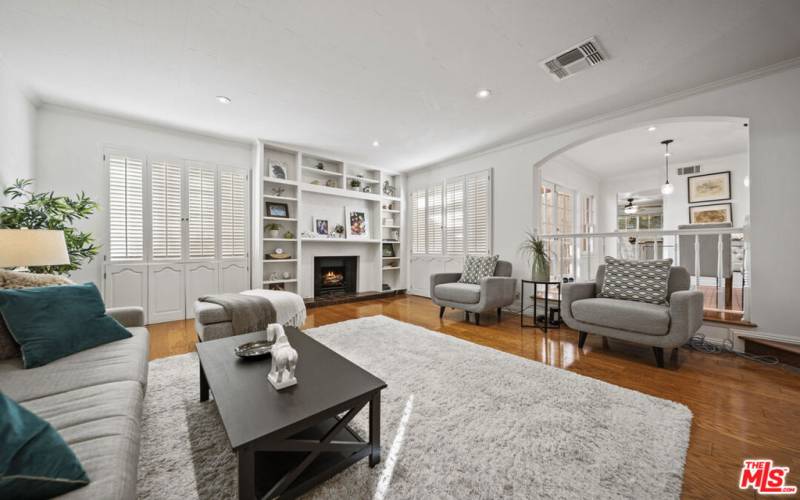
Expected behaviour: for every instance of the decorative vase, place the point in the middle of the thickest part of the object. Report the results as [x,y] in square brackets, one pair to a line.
[273,233]
[541,269]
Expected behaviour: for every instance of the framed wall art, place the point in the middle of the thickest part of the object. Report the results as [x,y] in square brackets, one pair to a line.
[711,214]
[709,187]
[277,210]
[357,226]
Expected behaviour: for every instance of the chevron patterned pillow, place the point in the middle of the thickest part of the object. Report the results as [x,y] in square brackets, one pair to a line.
[639,280]
[477,267]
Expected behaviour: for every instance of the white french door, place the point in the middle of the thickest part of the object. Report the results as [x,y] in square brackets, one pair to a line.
[192,239]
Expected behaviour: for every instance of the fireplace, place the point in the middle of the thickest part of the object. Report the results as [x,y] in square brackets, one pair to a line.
[335,276]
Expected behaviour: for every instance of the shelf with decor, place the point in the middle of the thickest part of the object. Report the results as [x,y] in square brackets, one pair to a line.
[295,190]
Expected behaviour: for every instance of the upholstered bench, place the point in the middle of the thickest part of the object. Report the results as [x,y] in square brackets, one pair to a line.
[212,321]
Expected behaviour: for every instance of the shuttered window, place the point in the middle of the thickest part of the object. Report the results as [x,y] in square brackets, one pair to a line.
[478,200]
[233,213]
[125,206]
[454,216]
[434,220]
[418,221]
[166,209]
[201,195]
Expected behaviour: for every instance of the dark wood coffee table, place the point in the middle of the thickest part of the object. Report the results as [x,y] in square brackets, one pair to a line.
[290,440]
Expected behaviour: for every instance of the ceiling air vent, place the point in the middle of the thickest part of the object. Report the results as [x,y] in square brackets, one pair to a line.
[689,170]
[574,60]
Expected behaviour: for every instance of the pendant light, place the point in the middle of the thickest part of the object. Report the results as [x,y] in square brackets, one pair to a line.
[667,188]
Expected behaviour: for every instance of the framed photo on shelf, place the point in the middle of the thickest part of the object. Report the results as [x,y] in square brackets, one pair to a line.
[388,250]
[357,223]
[710,214]
[709,187]
[277,209]
[278,169]
[321,226]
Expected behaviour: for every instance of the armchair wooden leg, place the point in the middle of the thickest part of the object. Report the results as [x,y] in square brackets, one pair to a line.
[477,318]
[659,352]
[582,339]
[466,315]
[441,312]
[499,313]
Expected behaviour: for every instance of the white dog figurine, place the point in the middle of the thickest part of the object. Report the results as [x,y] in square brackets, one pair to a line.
[284,362]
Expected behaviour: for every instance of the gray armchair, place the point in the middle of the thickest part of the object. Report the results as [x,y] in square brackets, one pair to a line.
[660,326]
[493,292]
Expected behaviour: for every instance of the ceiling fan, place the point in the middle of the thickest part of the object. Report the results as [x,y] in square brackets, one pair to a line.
[630,208]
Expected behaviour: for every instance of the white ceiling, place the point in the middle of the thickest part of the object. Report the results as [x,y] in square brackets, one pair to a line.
[640,150]
[335,75]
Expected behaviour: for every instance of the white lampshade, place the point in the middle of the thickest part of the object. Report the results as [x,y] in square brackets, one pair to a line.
[32,247]
[667,188]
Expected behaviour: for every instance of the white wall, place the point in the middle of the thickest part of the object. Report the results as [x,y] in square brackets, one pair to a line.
[17,132]
[69,158]
[769,102]
[676,205]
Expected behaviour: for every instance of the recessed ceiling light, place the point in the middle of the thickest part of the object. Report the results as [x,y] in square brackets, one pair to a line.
[375,143]
[651,129]
[223,99]
[483,94]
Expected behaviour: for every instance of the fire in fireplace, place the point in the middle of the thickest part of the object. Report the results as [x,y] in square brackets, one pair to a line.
[335,275]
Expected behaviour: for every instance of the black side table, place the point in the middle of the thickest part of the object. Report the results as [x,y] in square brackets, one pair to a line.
[548,310]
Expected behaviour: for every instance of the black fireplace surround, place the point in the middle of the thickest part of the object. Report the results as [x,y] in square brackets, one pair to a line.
[335,276]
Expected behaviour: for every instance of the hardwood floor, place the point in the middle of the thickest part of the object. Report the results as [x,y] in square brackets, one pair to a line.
[741,409]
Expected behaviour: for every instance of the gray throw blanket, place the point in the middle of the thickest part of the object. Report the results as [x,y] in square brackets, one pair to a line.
[248,313]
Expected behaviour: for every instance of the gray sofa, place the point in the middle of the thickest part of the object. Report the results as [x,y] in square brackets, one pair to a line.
[491,293]
[94,400]
[660,326]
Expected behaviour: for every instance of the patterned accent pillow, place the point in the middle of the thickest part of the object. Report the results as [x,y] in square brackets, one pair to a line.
[639,280]
[477,267]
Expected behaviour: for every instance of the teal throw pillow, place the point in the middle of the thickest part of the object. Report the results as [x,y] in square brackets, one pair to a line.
[35,461]
[51,322]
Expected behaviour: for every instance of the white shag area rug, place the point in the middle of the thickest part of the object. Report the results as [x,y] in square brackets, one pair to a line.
[458,420]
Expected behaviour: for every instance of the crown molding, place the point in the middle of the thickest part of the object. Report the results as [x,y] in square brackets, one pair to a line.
[755,74]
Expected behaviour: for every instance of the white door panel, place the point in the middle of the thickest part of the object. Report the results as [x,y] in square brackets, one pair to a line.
[202,278]
[126,285]
[166,292]
[233,276]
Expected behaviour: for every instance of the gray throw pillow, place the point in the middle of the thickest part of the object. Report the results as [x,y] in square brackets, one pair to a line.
[477,267]
[638,280]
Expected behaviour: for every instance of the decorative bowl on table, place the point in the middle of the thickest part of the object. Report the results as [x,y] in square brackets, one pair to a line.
[254,350]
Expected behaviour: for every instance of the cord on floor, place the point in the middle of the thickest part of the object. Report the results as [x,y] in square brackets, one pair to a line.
[699,343]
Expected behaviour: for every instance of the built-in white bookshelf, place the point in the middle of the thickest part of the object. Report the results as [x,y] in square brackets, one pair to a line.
[295,189]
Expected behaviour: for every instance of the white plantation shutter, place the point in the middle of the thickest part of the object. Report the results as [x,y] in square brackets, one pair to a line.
[454,216]
[478,206]
[201,196]
[434,219]
[233,213]
[125,207]
[418,221]
[166,209]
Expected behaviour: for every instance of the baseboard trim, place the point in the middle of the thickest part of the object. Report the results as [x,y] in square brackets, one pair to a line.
[766,336]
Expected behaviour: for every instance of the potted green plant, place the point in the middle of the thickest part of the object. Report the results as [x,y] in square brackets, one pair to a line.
[273,228]
[48,211]
[533,247]
[355,183]
[338,230]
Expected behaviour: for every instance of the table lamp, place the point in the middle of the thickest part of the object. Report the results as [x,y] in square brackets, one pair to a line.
[21,248]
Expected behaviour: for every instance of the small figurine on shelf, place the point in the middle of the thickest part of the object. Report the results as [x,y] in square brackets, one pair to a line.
[338,230]
[273,276]
[331,183]
[320,165]
[367,189]
[388,189]
[278,191]
[287,275]
[288,235]
[284,362]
